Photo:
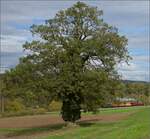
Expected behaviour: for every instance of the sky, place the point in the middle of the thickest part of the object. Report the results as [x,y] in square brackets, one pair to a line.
[130,17]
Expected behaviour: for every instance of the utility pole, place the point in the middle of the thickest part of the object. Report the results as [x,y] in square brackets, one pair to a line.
[2,102]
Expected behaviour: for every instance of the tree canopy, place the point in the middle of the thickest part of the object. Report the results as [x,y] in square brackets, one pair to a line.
[74,61]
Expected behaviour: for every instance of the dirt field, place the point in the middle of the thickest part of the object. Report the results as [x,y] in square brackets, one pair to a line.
[44,121]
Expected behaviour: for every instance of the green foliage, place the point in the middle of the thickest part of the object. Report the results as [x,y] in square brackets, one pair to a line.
[14,106]
[38,111]
[140,91]
[55,106]
[23,112]
[73,62]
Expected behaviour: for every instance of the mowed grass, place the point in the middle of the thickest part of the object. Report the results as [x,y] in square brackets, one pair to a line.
[135,126]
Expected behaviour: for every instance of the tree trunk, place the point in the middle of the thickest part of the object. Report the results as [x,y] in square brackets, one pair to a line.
[71,110]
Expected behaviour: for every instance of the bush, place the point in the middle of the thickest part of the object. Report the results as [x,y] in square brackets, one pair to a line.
[14,106]
[25,112]
[39,111]
[55,106]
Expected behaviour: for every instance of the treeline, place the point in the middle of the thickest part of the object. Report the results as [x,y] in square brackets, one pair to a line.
[13,103]
[28,103]
[138,90]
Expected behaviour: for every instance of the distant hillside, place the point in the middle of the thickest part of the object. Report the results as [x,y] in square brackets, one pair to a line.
[131,81]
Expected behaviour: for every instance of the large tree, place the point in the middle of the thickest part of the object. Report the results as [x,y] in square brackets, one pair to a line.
[74,61]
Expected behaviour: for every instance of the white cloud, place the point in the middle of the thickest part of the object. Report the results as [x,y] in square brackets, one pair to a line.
[10,43]
[135,75]
[126,14]
[127,67]
[131,17]
[142,58]
[139,41]
[134,71]
[26,11]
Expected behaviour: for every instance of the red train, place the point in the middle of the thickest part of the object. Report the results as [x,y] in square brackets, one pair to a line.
[127,102]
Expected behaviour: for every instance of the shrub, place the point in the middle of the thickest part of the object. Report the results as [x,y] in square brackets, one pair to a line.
[24,112]
[14,106]
[39,111]
[55,106]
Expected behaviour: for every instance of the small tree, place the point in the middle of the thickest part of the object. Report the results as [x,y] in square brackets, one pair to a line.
[73,62]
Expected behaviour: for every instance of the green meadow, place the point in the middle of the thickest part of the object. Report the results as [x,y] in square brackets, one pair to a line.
[135,126]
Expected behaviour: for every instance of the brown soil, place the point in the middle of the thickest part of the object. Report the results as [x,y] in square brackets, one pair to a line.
[45,120]
[48,120]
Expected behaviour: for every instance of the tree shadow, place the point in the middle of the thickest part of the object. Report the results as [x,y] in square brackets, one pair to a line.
[49,128]
[35,130]
[87,123]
